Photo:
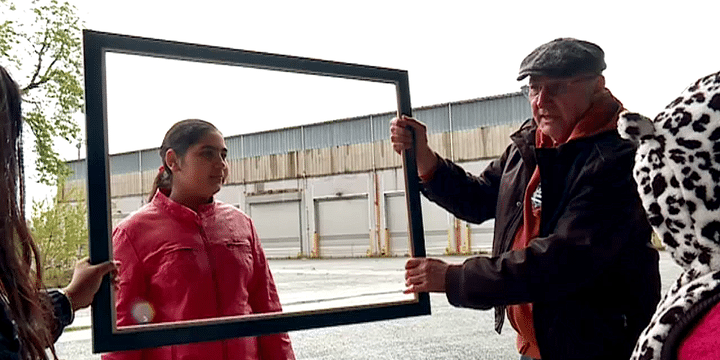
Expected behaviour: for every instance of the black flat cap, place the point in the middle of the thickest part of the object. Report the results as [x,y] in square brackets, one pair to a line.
[562,58]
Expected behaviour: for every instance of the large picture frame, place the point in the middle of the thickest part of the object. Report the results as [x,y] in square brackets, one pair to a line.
[106,335]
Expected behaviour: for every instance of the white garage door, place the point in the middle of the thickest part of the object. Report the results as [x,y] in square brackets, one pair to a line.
[278,226]
[435,225]
[397,224]
[481,236]
[343,227]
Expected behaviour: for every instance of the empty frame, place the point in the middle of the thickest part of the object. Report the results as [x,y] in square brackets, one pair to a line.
[259,87]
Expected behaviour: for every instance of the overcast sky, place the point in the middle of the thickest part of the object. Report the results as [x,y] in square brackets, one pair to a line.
[453,50]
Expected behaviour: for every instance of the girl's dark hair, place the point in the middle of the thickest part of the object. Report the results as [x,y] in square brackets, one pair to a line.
[181,136]
[20,269]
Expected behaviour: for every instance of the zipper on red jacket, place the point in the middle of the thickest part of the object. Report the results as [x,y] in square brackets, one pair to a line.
[213,272]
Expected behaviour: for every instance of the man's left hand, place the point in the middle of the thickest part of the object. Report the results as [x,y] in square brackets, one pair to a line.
[425,275]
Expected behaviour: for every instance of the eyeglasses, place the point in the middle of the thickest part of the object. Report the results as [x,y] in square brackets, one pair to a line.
[552,88]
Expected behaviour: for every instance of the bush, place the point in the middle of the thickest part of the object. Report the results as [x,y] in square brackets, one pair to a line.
[60,230]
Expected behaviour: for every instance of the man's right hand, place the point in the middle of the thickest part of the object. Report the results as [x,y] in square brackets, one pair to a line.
[401,138]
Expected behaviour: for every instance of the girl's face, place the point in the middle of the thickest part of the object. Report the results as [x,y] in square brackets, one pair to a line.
[202,171]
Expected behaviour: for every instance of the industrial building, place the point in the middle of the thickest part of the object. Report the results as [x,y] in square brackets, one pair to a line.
[336,188]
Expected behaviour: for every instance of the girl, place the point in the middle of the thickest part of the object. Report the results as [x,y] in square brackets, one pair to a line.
[30,319]
[186,256]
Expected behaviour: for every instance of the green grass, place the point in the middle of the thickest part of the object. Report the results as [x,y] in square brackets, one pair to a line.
[77,328]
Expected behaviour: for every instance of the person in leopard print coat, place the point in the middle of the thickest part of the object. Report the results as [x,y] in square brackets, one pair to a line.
[677,170]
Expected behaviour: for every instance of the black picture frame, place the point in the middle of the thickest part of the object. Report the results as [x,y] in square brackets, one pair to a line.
[106,336]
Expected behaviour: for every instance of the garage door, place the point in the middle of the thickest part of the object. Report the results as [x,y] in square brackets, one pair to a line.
[278,226]
[397,224]
[481,236]
[435,225]
[343,227]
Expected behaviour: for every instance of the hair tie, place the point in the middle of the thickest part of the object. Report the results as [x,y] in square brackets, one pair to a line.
[161,169]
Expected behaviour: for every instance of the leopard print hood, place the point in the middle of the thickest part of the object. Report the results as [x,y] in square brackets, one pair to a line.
[677,169]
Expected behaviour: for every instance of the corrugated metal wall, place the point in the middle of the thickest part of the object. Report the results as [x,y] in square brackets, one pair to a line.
[78,170]
[265,143]
[466,130]
[125,163]
[320,164]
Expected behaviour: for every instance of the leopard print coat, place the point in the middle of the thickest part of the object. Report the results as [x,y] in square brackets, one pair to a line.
[677,170]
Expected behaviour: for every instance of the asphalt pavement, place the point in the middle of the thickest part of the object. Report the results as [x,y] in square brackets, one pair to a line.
[449,333]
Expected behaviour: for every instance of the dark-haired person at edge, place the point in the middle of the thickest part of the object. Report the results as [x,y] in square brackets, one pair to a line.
[188,256]
[31,318]
[572,267]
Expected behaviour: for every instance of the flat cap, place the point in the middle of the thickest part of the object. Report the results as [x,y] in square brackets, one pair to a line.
[562,58]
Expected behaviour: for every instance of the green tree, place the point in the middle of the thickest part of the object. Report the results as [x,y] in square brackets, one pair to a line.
[59,227]
[40,43]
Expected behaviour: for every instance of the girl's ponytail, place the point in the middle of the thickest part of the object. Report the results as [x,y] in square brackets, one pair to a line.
[163,180]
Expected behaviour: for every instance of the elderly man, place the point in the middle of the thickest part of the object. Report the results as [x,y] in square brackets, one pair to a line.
[572,267]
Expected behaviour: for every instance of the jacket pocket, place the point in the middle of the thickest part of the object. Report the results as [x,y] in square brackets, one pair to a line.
[180,266]
[580,332]
[236,257]
[239,245]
